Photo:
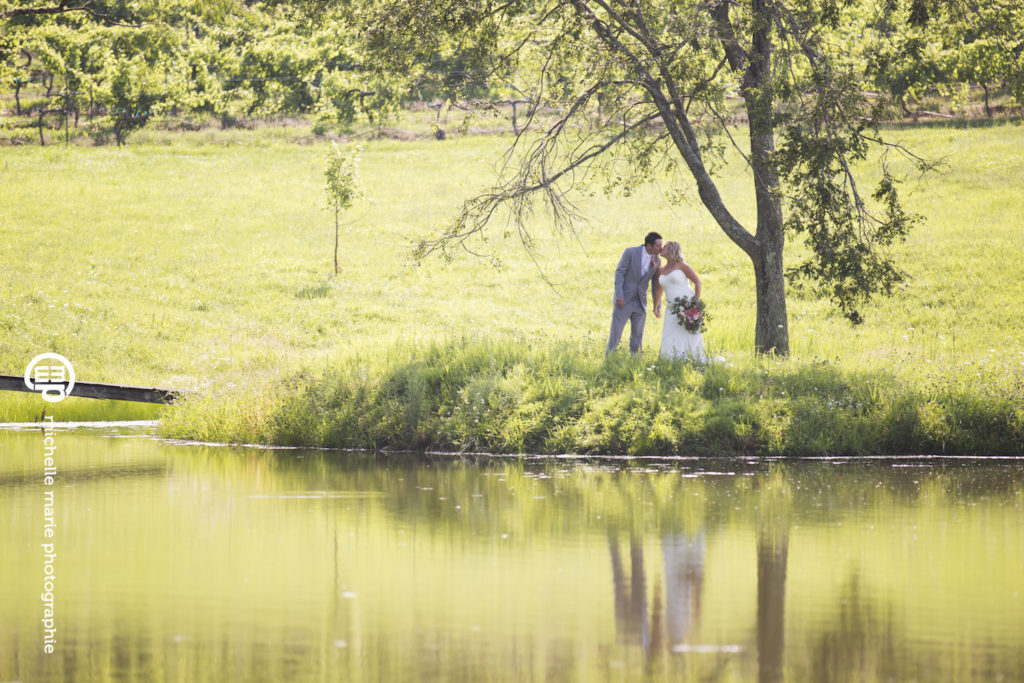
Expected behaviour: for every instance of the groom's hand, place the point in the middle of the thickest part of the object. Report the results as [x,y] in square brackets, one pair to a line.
[620,302]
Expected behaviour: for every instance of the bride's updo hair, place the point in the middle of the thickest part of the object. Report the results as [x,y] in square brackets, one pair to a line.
[672,252]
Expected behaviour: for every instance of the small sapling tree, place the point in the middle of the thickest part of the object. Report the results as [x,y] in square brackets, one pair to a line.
[342,185]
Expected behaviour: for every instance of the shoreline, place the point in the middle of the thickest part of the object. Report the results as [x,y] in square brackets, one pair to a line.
[483,455]
[503,400]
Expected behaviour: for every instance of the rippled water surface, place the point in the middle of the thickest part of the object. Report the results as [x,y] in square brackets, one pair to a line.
[195,563]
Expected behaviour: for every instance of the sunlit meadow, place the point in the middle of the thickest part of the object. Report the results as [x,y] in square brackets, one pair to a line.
[203,262]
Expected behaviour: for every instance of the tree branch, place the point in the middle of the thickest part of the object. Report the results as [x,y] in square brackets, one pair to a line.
[533,176]
[603,32]
[736,55]
[63,8]
[644,40]
[680,130]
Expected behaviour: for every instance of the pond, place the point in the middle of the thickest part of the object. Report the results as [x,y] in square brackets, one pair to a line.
[194,562]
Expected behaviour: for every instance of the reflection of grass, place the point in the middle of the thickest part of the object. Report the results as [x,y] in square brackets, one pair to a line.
[200,264]
[860,644]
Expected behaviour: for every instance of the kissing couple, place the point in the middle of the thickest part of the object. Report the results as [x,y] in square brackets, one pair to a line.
[642,266]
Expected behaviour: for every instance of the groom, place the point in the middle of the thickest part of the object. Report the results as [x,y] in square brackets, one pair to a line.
[636,269]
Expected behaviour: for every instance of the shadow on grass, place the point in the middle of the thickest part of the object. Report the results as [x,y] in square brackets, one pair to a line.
[314,292]
[955,123]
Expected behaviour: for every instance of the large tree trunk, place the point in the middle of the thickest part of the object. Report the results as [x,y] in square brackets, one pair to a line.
[771,332]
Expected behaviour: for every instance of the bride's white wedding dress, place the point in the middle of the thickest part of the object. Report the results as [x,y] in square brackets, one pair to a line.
[676,340]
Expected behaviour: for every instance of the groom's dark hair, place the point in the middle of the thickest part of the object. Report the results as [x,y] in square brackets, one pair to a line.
[651,238]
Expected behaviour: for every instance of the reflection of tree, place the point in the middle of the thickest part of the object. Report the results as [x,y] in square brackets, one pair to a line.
[772,554]
[774,507]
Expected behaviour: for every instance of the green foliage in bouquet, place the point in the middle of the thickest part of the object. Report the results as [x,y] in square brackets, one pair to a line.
[691,312]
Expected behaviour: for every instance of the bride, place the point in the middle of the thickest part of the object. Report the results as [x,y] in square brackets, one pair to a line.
[674,280]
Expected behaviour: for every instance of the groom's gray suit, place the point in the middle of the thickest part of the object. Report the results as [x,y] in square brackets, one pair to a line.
[634,273]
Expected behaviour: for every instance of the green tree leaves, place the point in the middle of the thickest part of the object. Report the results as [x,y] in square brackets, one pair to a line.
[343,186]
[229,58]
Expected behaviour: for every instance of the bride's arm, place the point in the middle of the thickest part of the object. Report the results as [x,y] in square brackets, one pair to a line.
[657,296]
[692,277]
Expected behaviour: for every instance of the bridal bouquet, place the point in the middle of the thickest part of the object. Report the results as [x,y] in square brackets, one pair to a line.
[691,313]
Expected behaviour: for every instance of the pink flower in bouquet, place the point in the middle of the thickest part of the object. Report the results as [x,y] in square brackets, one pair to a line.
[690,312]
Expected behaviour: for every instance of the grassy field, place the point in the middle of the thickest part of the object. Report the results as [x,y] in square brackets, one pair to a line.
[202,262]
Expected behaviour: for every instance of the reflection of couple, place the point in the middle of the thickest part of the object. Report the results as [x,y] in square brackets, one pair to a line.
[638,267]
[684,588]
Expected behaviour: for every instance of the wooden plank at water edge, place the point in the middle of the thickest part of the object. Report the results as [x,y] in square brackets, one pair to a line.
[115,392]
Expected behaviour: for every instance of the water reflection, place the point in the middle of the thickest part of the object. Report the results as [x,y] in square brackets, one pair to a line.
[673,616]
[860,643]
[772,555]
[684,582]
[199,563]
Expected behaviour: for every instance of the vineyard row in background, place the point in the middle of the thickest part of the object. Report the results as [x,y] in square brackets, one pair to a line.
[190,64]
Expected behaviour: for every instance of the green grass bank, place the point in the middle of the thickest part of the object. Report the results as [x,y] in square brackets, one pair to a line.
[202,262]
[507,398]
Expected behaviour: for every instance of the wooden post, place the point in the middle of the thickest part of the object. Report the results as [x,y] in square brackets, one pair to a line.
[115,392]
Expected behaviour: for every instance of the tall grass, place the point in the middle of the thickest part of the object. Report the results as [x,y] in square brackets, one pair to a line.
[499,396]
[203,263]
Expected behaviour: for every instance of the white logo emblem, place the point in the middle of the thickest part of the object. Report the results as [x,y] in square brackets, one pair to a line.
[50,374]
